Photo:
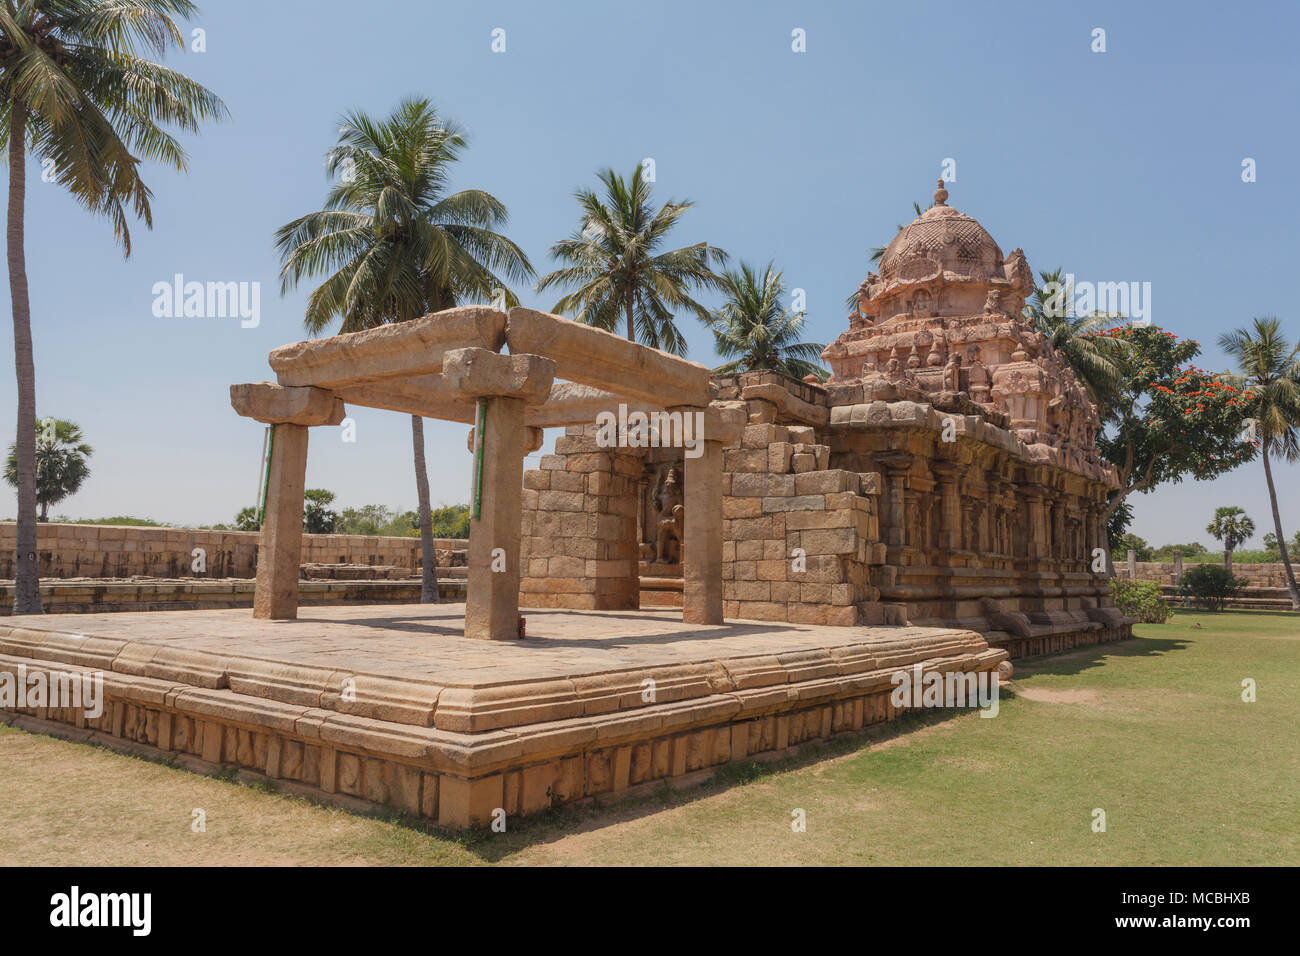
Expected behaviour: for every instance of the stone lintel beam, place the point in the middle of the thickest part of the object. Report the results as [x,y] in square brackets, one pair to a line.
[425,395]
[276,405]
[604,360]
[477,373]
[398,350]
[724,422]
[788,406]
[571,403]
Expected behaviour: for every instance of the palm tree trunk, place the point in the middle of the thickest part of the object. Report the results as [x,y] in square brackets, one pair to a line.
[1292,590]
[428,554]
[27,583]
[631,336]
[1227,559]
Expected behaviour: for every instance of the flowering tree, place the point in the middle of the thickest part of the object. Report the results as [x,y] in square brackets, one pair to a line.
[1170,419]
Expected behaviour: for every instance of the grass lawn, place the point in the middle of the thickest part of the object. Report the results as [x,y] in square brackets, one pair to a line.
[1152,731]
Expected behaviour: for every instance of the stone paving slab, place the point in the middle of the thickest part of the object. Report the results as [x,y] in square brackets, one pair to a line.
[412,664]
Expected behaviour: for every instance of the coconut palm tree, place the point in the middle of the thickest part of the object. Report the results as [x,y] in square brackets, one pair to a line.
[396,245]
[1231,525]
[755,331]
[77,91]
[1271,367]
[620,276]
[61,466]
[1095,359]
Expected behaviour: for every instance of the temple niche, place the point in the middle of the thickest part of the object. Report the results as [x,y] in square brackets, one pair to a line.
[661,512]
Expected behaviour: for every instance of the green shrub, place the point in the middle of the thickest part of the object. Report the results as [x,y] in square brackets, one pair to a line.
[1125,543]
[1166,552]
[116,520]
[1211,585]
[451,521]
[1142,600]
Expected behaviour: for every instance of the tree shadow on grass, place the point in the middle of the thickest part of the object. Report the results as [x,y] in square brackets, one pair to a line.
[589,816]
[1095,655]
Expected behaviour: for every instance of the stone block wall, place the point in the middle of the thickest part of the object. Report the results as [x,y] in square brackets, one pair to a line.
[578,542]
[1257,575]
[798,537]
[91,596]
[120,551]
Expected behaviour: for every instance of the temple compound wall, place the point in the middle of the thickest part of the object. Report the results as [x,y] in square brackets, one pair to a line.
[945,475]
[121,551]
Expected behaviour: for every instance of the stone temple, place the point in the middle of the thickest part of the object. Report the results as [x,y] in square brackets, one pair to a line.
[946,474]
[639,610]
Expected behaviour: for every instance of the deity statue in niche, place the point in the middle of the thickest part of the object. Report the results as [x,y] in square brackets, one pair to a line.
[668,528]
[911,534]
[669,542]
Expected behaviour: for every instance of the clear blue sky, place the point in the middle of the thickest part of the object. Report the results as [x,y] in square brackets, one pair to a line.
[1120,166]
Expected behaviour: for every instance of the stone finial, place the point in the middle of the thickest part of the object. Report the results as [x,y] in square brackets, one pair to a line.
[941,195]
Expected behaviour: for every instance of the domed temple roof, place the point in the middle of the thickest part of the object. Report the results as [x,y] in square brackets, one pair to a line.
[941,240]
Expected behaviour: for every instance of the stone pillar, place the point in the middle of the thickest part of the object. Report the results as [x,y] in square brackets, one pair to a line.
[1035,534]
[291,410]
[279,552]
[1132,565]
[505,385]
[979,523]
[492,596]
[702,503]
[1059,544]
[702,538]
[896,466]
[945,473]
[1178,567]
[1009,530]
[993,515]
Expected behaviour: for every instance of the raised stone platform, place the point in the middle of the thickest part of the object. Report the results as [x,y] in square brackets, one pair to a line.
[395,706]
